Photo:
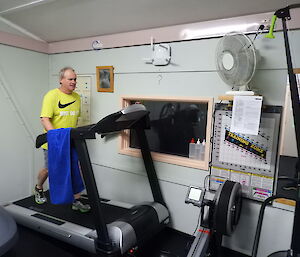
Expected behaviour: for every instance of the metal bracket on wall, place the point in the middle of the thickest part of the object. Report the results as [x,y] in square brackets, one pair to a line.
[161,54]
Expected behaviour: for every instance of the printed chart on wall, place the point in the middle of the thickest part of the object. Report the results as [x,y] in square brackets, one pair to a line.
[248,159]
[83,88]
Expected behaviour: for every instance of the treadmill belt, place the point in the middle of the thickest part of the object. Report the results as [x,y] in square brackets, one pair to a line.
[65,212]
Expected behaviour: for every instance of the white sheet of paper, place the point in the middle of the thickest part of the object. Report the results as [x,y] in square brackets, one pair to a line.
[246,113]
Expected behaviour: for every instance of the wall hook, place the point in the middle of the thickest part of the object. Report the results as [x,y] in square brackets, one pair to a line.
[159,78]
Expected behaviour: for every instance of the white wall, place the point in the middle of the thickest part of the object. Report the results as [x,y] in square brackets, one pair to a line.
[191,73]
[24,78]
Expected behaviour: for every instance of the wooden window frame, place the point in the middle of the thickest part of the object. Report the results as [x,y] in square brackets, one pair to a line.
[169,158]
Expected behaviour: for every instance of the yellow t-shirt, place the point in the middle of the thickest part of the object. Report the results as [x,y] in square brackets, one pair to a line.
[63,109]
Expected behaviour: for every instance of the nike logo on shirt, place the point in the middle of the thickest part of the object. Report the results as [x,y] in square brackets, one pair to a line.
[64,105]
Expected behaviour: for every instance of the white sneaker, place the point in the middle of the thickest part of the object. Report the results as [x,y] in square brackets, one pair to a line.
[79,206]
[39,195]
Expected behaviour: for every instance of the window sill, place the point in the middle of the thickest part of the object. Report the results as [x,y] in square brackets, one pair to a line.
[168,158]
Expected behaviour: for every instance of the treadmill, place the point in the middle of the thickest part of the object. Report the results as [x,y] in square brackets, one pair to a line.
[111,228]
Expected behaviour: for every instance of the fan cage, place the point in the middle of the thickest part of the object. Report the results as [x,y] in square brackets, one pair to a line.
[242,50]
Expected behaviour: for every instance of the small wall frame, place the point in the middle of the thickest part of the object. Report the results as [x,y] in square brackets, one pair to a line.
[105,78]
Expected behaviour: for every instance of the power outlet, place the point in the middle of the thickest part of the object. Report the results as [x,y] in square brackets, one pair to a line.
[266,23]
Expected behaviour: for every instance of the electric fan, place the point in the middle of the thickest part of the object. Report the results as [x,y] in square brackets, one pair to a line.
[236,62]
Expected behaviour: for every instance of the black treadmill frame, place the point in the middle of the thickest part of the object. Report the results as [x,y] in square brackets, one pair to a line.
[139,121]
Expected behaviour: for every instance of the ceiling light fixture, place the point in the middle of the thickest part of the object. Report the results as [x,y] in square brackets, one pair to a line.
[27,5]
[218,30]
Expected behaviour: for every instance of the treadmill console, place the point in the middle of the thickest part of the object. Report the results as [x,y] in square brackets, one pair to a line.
[195,195]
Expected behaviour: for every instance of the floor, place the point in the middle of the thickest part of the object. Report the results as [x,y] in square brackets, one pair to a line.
[34,244]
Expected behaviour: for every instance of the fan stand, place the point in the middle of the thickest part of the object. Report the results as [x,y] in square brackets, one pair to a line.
[242,90]
[241,93]
[229,95]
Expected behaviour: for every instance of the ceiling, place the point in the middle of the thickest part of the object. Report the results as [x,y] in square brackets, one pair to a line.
[58,20]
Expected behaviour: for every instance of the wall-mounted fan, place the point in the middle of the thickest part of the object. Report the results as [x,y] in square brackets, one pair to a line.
[236,62]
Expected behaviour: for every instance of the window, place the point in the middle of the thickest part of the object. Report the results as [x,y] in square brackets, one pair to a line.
[174,122]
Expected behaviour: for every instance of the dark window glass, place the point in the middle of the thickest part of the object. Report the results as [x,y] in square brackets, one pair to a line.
[173,125]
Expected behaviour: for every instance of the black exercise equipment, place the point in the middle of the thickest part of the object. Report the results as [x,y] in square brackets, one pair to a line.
[133,226]
[218,217]
[294,251]
[112,230]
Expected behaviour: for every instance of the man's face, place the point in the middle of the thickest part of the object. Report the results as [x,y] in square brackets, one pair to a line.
[68,82]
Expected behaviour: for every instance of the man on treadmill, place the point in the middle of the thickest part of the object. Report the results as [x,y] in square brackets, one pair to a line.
[60,109]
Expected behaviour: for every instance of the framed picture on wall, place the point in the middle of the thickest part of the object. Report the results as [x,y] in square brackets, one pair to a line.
[105,78]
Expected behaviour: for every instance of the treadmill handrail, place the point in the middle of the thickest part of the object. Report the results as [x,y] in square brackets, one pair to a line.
[84,131]
[40,140]
[112,123]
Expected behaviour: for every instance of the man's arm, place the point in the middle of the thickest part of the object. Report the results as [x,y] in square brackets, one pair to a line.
[46,122]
